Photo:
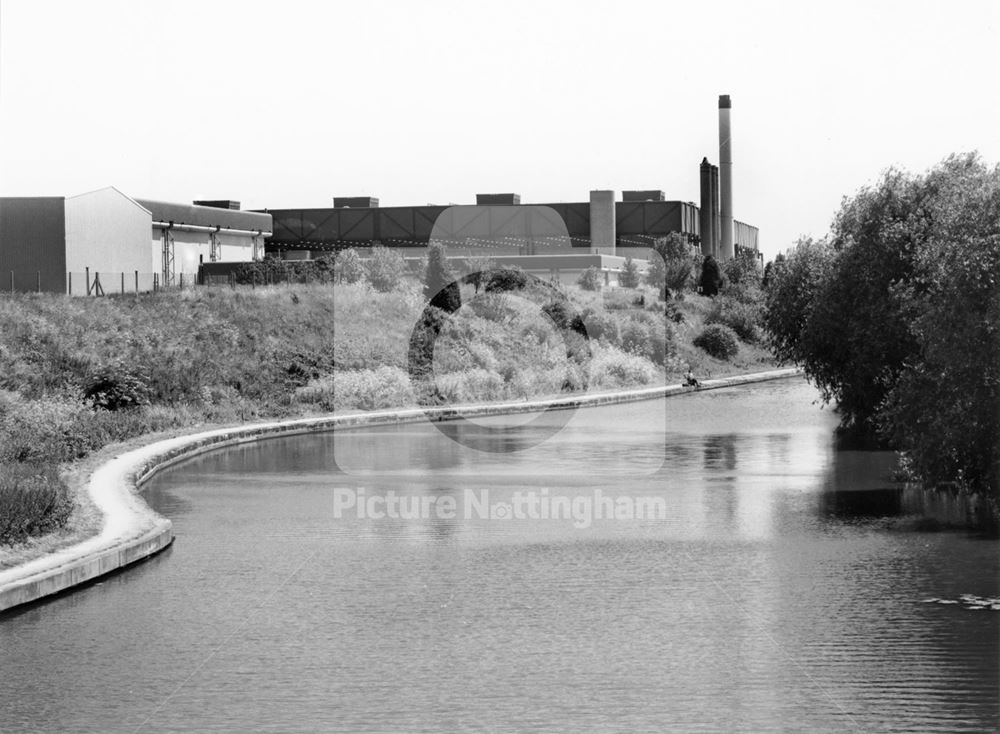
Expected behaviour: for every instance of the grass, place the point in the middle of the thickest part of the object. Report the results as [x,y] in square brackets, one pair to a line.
[175,360]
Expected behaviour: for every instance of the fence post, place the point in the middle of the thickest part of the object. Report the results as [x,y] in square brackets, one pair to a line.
[69,283]
[182,281]
[38,281]
[137,282]
[156,282]
[123,282]
[86,274]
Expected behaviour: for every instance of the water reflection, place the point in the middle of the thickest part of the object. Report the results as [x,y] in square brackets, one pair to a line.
[766,599]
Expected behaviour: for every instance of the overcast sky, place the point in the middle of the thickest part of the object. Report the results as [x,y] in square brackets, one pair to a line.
[286,104]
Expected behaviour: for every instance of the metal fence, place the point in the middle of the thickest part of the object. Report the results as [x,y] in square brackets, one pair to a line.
[90,282]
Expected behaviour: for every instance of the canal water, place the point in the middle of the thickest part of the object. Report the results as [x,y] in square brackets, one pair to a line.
[781,586]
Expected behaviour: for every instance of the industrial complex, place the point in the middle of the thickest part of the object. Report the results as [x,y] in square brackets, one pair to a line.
[105,241]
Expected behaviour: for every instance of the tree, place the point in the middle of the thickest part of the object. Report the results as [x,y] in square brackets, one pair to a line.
[670,266]
[440,287]
[711,279]
[590,279]
[896,318]
[348,266]
[478,269]
[385,269]
[629,275]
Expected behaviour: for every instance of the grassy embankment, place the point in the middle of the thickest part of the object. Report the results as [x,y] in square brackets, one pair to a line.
[79,374]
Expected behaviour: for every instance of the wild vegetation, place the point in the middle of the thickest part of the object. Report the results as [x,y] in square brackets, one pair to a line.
[78,374]
[896,316]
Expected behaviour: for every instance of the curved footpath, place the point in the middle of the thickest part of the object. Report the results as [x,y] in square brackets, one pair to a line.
[131,531]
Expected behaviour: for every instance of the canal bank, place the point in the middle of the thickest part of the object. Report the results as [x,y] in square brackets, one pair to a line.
[131,531]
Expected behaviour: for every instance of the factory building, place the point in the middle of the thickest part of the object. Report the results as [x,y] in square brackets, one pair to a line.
[106,242]
[504,226]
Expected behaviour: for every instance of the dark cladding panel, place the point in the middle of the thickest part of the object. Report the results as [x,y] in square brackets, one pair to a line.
[648,195]
[33,243]
[498,199]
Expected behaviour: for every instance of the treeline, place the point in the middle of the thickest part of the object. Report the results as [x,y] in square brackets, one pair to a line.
[895,316]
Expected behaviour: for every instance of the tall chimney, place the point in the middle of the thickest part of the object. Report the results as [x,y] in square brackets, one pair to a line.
[705,210]
[726,177]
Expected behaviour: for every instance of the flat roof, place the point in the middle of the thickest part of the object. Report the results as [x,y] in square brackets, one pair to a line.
[206,216]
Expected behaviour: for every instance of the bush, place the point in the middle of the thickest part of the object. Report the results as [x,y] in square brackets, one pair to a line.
[612,367]
[743,268]
[348,266]
[590,279]
[741,317]
[711,277]
[385,269]
[719,341]
[629,276]
[603,326]
[478,269]
[506,278]
[117,386]
[383,387]
[650,337]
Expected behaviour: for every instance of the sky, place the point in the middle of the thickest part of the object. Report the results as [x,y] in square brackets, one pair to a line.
[289,104]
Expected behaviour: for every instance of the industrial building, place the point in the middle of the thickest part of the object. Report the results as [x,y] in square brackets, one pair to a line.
[105,241]
[505,226]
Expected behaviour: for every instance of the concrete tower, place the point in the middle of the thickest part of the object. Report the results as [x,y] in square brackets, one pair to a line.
[726,250]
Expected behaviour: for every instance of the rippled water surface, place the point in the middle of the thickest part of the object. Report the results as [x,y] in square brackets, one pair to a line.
[784,590]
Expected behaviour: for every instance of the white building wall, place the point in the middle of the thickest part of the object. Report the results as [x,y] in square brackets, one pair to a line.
[193,248]
[108,233]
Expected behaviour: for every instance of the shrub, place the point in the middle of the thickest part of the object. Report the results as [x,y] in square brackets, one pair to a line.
[629,276]
[711,277]
[475,385]
[649,336]
[611,367]
[478,270]
[590,279]
[741,317]
[719,341]
[603,326]
[506,278]
[385,269]
[383,387]
[743,268]
[117,386]
[348,266]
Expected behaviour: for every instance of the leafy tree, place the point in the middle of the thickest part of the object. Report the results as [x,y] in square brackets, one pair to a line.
[711,277]
[896,318]
[440,286]
[670,266]
[348,266]
[629,275]
[478,269]
[385,269]
[590,279]
[506,278]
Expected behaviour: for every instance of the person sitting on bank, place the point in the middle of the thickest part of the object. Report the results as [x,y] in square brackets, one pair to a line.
[690,380]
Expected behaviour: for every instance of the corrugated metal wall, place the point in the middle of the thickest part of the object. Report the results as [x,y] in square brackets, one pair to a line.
[33,243]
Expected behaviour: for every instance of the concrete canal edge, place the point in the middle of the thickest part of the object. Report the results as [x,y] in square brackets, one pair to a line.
[131,531]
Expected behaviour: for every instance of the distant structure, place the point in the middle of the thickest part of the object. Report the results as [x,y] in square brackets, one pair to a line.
[500,223]
[105,241]
[726,175]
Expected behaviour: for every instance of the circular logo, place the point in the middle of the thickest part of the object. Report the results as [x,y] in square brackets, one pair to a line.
[439,310]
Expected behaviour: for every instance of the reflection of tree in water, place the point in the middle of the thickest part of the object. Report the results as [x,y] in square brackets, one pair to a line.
[720,452]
